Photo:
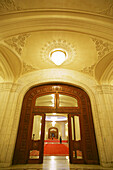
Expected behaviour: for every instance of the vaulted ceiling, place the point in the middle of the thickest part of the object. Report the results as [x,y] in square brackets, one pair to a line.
[30,30]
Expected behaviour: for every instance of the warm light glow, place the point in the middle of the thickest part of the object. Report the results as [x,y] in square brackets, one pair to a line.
[58,57]
[53,123]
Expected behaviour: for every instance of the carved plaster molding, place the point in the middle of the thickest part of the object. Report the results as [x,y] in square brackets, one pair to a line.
[17,42]
[89,70]
[28,68]
[55,44]
[8,86]
[102,47]
[108,11]
[104,89]
[8,5]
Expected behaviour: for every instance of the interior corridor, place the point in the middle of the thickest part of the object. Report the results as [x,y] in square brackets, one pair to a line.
[56,163]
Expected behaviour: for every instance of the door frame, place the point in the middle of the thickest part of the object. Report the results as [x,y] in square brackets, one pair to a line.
[25,124]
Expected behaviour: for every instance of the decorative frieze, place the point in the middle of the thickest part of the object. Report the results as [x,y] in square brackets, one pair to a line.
[102,47]
[8,5]
[28,68]
[17,42]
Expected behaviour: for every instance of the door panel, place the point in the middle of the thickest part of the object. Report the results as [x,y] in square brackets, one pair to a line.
[75,142]
[37,139]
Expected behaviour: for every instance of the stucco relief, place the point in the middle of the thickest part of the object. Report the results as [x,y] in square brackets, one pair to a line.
[28,68]
[89,70]
[61,44]
[17,42]
[102,47]
[8,5]
[108,11]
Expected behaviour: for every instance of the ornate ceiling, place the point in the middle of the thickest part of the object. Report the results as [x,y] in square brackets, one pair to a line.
[29,31]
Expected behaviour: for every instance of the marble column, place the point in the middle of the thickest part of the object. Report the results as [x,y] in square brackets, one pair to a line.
[7,138]
[104,98]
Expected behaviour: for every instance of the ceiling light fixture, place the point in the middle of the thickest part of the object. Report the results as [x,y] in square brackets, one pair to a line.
[58,56]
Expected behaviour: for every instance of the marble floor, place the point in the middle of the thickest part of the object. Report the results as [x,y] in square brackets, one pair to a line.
[56,163]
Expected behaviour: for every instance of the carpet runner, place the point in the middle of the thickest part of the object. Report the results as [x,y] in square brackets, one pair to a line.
[56,150]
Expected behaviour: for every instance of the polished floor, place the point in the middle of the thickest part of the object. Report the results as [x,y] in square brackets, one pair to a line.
[56,163]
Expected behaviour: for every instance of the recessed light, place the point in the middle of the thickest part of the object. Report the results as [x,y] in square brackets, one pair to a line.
[58,56]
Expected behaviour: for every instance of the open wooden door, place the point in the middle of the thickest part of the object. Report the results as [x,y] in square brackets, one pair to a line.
[75,139]
[56,99]
[36,146]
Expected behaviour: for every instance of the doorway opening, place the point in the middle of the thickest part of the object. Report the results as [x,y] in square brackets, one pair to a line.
[42,102]
[56,135]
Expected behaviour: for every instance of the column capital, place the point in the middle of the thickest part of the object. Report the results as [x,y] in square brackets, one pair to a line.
[104,89]
[9,86]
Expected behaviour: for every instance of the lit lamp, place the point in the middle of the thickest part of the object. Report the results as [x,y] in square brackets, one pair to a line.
[58,56]
[53,121]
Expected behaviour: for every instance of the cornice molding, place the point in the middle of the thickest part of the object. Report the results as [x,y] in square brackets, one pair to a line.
[11,5]
[66,20]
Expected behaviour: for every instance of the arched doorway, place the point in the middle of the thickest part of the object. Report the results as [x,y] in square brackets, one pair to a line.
[53,132]
[61,99]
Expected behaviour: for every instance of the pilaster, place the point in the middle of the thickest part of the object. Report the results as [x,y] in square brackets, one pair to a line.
[9,95]
[104,96]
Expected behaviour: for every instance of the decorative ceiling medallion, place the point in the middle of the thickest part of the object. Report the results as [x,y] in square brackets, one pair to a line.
[17,42]
[58,44]
[102,47]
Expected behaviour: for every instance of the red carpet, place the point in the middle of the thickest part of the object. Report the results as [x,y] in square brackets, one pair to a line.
[63,141]
[56,150]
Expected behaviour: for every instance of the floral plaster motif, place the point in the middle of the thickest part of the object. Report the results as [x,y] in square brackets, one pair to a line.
[17,42]
[102,47]
[58,44]
[8,5]
[89,70]
[108,11]
[28,68]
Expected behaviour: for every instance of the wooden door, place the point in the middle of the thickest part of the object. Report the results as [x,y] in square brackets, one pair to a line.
[67,99]
[75,139]
[36,141]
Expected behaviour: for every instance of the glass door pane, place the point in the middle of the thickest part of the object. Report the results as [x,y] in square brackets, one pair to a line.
[37,139]
[76,155]
[72,128]
[67,101]
[36,136]
[78,151]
